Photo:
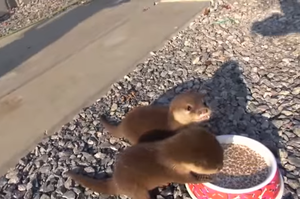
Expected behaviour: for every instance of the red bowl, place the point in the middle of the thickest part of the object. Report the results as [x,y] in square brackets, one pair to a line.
[271,188]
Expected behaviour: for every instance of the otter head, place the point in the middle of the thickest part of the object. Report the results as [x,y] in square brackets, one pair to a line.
[189,107]
[197,150]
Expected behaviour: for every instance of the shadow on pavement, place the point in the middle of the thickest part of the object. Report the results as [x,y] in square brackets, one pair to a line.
[36,39]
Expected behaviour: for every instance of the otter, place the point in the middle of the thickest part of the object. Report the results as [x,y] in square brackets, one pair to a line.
[189,156]
[185,108]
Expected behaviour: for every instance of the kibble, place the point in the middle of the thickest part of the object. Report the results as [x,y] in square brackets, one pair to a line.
[243,168]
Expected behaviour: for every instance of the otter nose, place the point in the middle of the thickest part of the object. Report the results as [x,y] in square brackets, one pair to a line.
[203,111]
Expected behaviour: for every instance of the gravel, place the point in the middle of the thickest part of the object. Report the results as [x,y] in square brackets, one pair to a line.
[33,12]
[251,78]
[30,13]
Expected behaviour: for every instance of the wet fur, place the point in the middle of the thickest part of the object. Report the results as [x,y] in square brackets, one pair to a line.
[142,120]
[144,166]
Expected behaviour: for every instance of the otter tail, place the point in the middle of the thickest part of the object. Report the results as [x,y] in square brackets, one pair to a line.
[106,186]
[112,129]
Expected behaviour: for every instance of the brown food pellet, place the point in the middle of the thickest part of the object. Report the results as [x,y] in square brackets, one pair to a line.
[243,168]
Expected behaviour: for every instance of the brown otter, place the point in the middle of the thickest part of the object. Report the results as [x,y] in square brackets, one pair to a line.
[184,109]
[192,152]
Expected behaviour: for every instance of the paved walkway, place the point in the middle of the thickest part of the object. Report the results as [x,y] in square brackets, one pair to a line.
[49,72]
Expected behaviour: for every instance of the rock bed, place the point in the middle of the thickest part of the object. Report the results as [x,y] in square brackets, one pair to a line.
[33,12]
[243,168]
[252,84]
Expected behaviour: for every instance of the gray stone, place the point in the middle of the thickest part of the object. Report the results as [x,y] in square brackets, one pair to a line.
[114,107]
[14,180]
[89,169]
[296,91]
[60,190]
[29,186]
[91,141]
[46,188]
[167,192]
[159,197]
[100,155]
[28,194]
[22,187]
[11,174]
[289,167]
[151,94]
[113,140]
[294,184]
[54,195]
[297,130]
[60,182]
[287,112]
[69,195]
[45,169]
[283,154]
[271,75]
[88,157]
[163,73]
[295,142]
[77,191]
[3,181]
[255,78]
[45,196]
[72,127]
[68,183]
[298,192]
[266,114]
[294,161]
[277,123]
[289,135]
[284,93]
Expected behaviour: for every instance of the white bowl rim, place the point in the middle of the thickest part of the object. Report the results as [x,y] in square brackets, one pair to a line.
[254,188]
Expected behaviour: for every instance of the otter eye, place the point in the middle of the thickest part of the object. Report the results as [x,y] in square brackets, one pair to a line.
[204,103]
[189,108]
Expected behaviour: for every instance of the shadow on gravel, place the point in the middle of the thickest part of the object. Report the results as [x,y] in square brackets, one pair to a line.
[227,96]
[280,24]
[36,39]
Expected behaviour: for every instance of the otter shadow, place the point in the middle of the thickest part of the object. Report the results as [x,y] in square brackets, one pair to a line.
[228,97]
[280,24]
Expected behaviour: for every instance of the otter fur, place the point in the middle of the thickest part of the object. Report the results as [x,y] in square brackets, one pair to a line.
[184,109]
[192,152]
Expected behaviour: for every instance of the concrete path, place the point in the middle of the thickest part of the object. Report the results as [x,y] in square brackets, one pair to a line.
[49,72]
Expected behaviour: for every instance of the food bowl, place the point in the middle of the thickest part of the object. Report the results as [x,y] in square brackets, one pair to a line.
[271,188]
